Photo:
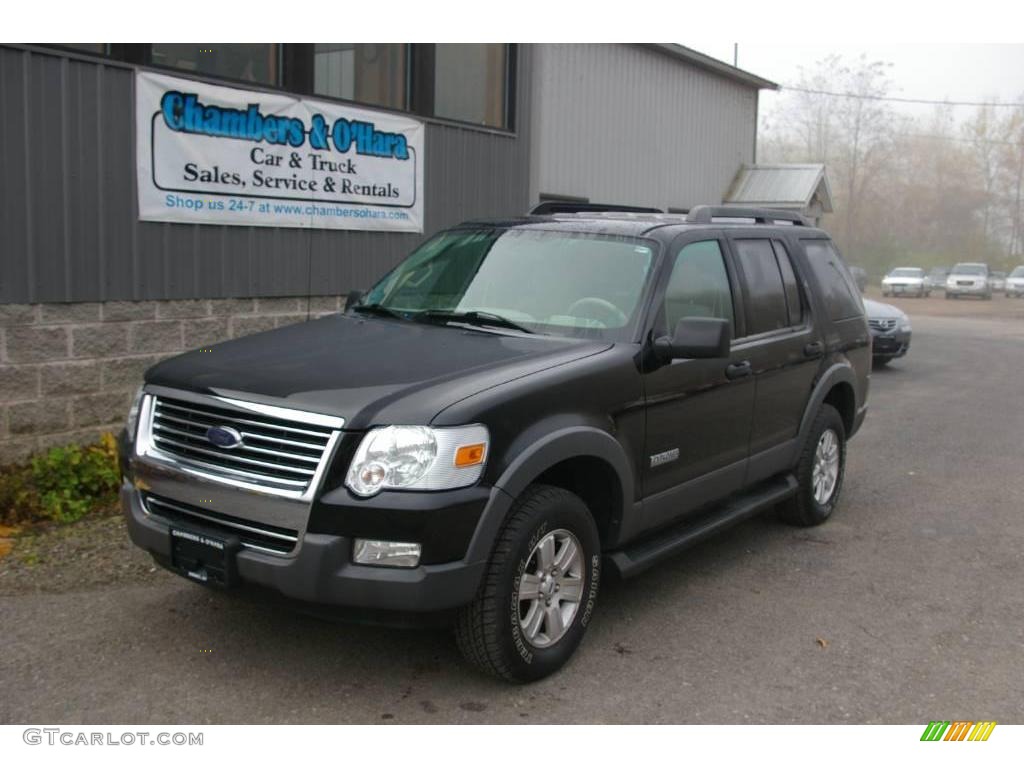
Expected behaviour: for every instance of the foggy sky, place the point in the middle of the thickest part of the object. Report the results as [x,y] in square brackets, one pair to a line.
[938,71]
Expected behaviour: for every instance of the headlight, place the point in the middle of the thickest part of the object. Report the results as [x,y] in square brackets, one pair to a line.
[132,422]
[905,324]
[418,458]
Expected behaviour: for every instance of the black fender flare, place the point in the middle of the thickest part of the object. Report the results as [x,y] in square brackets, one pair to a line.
[553,448]
[837,373]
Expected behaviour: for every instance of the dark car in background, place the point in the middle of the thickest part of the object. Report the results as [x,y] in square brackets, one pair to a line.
[937,277]
[890,331]
[860,277]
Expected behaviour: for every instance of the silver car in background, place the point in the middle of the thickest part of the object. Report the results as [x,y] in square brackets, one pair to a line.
[969,278]
[1015,283]
[906,281]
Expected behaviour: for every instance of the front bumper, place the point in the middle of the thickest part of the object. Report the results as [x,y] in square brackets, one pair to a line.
[967,290]
[914,289]
[890,345]
[320,569]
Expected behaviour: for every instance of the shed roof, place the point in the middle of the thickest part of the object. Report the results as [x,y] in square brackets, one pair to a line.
[784,185]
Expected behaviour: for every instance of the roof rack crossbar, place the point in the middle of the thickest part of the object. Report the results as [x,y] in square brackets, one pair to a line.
[704,214]
[551,207]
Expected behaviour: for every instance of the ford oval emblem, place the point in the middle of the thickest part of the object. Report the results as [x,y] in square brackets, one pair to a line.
[224,437]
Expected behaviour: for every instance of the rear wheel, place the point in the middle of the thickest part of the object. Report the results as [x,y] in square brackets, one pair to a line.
[539,590]
[819,471]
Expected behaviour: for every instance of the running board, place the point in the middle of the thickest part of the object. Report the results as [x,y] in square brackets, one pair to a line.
[639,557]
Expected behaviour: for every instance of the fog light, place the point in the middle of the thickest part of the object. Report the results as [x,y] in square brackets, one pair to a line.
[395,554]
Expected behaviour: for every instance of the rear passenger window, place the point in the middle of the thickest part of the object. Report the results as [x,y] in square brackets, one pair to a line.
[768,310]
[841,296]
[698,285]
[789,284]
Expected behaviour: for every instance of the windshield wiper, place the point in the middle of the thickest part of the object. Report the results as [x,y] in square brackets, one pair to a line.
[379,310]
[474,317]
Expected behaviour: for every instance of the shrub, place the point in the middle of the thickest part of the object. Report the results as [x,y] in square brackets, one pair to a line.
[63,484]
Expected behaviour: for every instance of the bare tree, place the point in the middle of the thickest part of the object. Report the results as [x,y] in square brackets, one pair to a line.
[862,118]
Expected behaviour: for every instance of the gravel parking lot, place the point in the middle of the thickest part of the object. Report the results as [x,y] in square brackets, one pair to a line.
[904,608]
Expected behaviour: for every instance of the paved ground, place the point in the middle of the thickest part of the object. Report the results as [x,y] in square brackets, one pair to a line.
[906,607]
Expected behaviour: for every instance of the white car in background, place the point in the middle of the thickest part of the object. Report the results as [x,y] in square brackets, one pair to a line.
[1015,283]
[906,281]
[969,278]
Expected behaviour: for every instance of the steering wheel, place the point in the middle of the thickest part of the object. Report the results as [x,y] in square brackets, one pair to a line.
[609,310]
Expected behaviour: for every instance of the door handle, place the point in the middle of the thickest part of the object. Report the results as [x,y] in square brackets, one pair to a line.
[738,370]
[814,349]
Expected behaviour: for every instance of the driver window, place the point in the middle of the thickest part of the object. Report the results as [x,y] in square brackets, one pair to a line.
[698,285]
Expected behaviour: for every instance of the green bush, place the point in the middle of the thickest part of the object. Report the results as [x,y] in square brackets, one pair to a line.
[63,484]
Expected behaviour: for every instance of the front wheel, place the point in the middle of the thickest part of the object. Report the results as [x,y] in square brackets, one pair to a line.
[819,472]
[539,590]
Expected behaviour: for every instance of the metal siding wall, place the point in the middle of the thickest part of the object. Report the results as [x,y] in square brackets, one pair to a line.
[625,124]
[69,228]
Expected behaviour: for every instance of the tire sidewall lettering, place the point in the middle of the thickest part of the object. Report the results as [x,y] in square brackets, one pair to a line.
[521,646]
[595,578]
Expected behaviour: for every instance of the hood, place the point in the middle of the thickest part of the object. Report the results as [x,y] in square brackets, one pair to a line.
[366,370]
[876,310]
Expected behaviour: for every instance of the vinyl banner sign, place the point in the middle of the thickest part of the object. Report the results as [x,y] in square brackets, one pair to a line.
[209,154]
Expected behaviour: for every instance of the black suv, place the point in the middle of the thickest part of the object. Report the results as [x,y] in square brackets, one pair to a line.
[517,406]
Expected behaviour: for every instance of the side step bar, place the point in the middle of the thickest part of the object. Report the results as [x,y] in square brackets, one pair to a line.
[639,557]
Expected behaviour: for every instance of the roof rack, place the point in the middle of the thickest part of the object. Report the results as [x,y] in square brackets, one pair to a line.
[550,207]
[703,214]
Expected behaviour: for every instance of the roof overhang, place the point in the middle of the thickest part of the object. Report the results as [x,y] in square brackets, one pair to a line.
[711,64]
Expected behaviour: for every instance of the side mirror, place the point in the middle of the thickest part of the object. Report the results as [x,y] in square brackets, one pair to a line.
[696,337]
[352,299]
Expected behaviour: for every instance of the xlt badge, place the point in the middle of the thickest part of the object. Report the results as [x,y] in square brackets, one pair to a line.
[664,457]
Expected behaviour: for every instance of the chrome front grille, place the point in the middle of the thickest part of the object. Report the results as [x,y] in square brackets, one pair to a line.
[884,324]
[278,452]
[252,535]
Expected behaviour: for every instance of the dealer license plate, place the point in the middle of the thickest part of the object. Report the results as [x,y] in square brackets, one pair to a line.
[200,556]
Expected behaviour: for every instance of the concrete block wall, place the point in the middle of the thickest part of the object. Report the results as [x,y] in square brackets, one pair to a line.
[68,371]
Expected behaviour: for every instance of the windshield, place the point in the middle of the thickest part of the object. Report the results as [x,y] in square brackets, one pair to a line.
[968,269]
[1018,272]
[548,282]
[907,272]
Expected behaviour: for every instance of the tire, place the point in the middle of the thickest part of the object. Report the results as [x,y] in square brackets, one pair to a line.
[880,362]
[804,508]
[489,631]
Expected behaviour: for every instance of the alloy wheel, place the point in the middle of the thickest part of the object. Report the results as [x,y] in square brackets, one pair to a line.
[551,588]
[825,474]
